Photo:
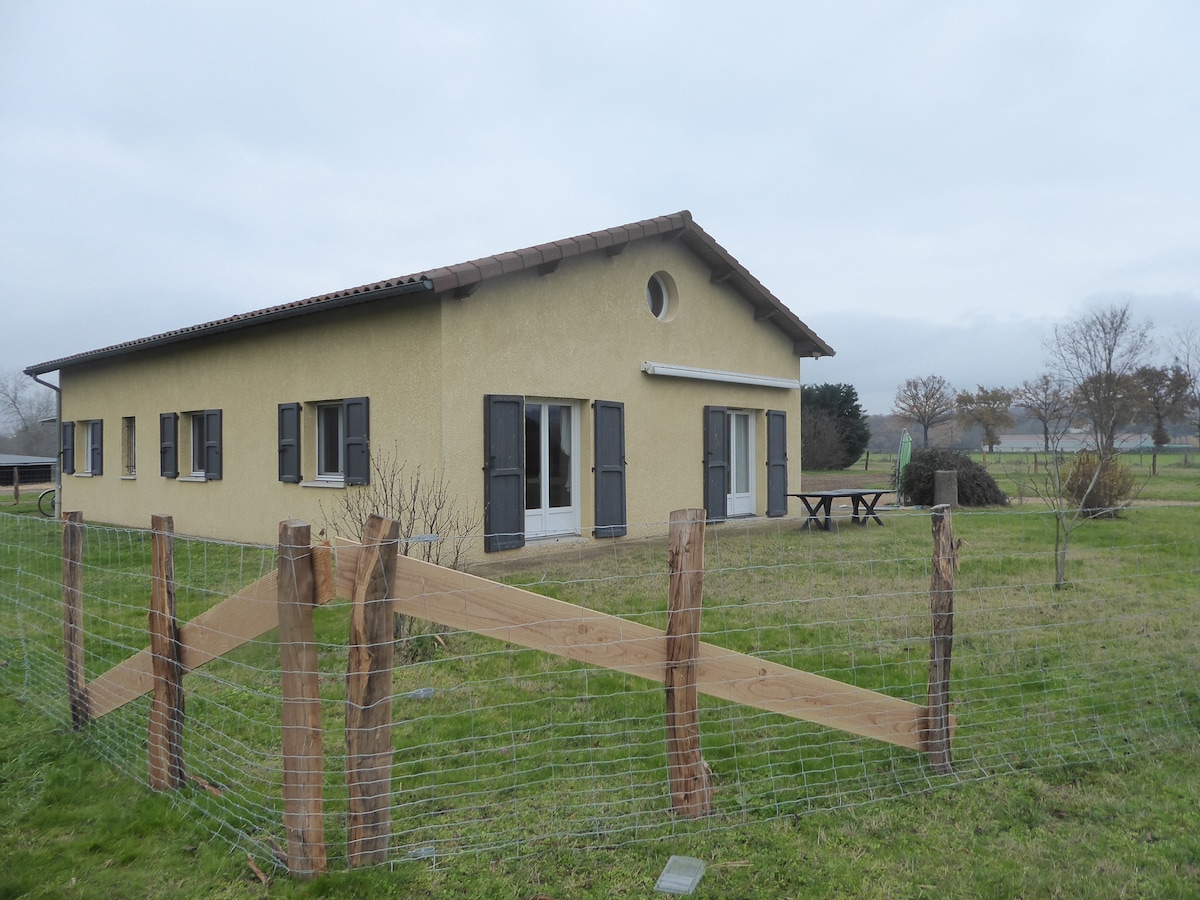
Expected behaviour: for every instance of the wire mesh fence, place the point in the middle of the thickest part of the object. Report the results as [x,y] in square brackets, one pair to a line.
[501,749]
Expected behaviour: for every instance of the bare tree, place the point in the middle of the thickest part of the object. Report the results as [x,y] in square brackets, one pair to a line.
[989,409]
[434,526]
[1096,355]
[24,404]
[1047,401]
[1187,357]
[927,402]
[1067,485]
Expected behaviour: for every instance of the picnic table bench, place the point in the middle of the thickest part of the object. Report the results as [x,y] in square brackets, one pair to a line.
[819,503]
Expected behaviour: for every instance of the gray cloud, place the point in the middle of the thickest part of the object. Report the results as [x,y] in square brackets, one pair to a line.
[929,168]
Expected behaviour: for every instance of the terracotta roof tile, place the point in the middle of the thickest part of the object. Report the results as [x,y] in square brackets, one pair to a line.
[489,267]
[462,276]
[585,244]
[530,256]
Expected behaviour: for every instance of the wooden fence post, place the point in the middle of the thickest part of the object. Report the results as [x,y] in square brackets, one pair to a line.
[936,737]
[165,745]
[16,485]
[72,577]
[690,783]
[369,697]
[302,743]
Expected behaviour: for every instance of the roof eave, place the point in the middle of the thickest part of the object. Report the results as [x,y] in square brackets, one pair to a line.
[725,268]
[233,323]
[464,279]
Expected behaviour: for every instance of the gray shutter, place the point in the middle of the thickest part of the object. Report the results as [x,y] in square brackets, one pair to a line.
[289,442]
[716,462]
[356,451]
[777,474]
[212,444]
[68,448]
[610,468]
[503,472]
[96,448]
[168,444]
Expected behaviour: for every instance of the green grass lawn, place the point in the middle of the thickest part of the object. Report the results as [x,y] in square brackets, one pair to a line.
[72,826]
[1075,751]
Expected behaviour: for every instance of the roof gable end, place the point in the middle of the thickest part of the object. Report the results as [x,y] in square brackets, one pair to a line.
[464,278]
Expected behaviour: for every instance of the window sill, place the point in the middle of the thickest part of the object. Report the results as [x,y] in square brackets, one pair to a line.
[552,536]
[192,478]
[129,478]
[330,483]
[82,474]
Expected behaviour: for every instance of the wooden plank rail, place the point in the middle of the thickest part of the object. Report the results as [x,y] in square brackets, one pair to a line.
[248,614]
[470,603]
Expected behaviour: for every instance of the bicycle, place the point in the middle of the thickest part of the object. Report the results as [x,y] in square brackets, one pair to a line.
[48,502]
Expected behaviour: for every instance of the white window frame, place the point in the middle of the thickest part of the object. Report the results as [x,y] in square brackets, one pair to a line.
[552,522]
[197,448]
[742,503]
[90,441]
[331,477]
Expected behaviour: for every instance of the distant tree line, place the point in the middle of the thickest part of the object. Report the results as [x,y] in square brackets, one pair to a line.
[1104,375]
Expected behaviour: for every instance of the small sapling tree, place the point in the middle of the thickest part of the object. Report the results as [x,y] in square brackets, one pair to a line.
[434,527]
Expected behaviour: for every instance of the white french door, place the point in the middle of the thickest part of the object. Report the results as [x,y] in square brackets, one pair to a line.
[551,467]
[741,464]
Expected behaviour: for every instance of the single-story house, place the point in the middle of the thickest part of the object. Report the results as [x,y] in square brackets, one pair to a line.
[562,390]
[26,469]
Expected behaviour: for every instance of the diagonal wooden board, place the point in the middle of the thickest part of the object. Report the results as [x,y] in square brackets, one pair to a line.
[236,620]
[470,603]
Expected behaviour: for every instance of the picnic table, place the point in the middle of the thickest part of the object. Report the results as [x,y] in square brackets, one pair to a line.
[819,503]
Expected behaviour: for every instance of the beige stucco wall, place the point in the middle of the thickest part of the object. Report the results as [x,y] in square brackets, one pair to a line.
[581,333]
[387,352]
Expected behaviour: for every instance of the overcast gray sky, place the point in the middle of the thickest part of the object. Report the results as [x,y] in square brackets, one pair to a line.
[929,185]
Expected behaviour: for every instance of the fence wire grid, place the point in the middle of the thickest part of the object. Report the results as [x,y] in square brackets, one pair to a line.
[500,749]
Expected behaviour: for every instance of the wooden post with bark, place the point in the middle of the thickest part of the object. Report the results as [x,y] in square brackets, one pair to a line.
[16,485]
[302,742]
[690,783]
[936,737]
[369,697]
[165,745]
[72,578]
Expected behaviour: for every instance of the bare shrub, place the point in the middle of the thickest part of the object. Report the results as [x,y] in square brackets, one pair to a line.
[434,526]
[1101,494]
